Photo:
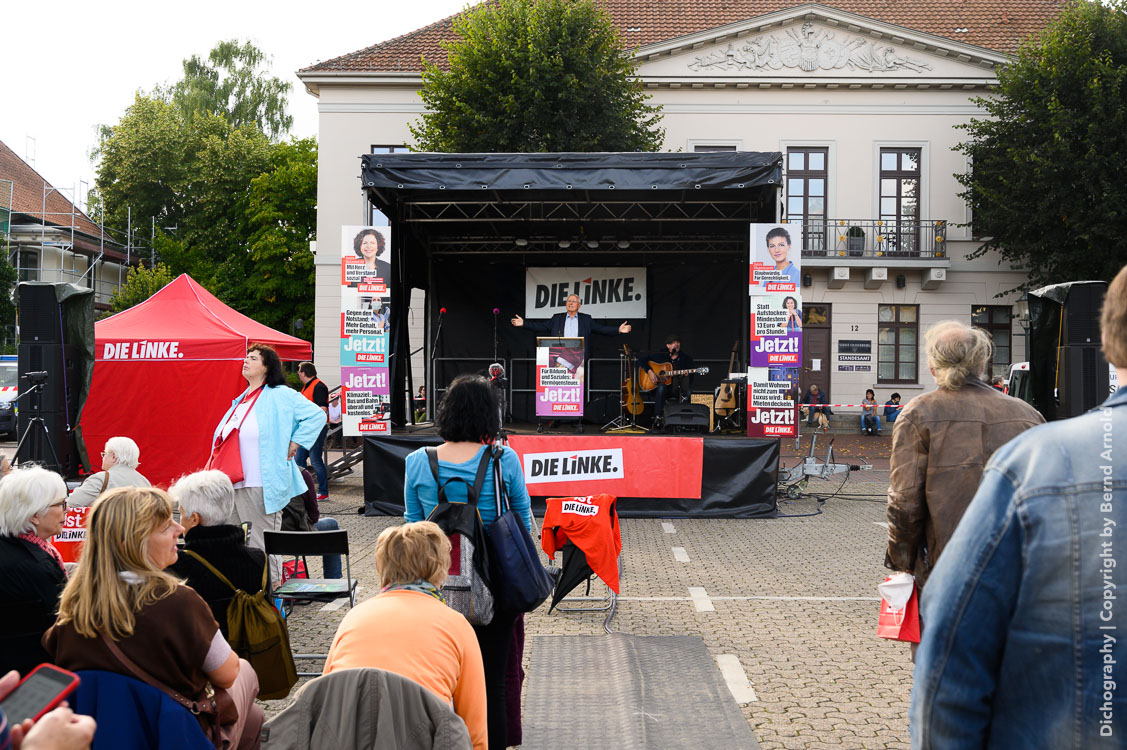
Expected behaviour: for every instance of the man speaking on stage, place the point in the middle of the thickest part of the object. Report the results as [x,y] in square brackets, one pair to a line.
[571,324]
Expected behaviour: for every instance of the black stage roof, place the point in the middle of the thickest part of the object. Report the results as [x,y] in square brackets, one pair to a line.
[620,203]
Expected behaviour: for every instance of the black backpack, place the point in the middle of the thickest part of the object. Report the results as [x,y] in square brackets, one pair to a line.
[467,588]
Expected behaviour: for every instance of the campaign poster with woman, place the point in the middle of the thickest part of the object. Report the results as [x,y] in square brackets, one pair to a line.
[366,305]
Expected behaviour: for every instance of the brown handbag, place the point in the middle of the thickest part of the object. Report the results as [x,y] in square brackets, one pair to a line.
[225,454]
[215,710]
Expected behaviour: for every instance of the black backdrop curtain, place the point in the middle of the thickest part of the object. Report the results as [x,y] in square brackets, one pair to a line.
[703,300]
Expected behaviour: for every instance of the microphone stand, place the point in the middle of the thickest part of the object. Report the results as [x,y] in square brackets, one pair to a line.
[433,354]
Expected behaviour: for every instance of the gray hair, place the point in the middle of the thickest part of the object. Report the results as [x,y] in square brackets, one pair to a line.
[955,352]
[23,493]
[208,493]
[125,451]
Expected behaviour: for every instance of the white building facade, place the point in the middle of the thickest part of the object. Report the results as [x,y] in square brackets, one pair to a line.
[865,112]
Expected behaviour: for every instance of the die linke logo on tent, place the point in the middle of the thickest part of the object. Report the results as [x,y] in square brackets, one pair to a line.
[573,466]
[143,350]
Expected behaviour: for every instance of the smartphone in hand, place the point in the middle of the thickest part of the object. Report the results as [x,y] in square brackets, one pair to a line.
[42,690]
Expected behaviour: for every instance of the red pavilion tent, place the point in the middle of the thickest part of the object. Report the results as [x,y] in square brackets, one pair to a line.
[166,370]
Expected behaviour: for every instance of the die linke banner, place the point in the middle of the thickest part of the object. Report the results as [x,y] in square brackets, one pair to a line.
[559,379]
[561,465]
[603,292]
[775,346]
[365,312]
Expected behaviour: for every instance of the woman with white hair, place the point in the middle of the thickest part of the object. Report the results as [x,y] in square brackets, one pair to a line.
[119,469]
[206,501]
[32,508]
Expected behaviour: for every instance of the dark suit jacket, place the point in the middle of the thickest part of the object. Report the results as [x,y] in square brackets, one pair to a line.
[554,326]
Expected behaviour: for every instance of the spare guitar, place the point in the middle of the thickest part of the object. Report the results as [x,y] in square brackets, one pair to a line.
[726,398]
[663,373]
[631,399]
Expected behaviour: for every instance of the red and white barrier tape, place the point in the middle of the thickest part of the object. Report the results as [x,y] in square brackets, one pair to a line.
[886,406]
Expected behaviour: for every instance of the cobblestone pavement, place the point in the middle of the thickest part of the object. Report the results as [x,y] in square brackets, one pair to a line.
[793,598]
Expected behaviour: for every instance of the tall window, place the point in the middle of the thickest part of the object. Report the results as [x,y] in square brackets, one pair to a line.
[900,199]
[29,265]
[378,218]
[807,176]
[897,343]
[995,320]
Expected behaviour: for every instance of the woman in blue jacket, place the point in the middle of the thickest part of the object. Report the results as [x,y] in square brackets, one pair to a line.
[273,420]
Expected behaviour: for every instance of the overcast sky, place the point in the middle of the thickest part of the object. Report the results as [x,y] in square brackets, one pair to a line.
[66,67]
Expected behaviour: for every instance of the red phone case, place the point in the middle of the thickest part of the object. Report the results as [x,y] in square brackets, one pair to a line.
[66,689]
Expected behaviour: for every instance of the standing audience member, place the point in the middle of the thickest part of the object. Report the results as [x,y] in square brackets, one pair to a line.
[998,383]
[58,729]
[1021,647]
[32,508]
[870,420]
[206,499]
[273,421]
[408,629]
[941,443]
[892,409]
[468,419]
[120,458]
[317,392]
[120,601]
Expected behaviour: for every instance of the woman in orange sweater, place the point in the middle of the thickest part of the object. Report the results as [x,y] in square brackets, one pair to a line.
[408,629]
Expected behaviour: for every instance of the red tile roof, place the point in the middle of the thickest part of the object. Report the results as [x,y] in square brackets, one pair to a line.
[999,25]
[28,195]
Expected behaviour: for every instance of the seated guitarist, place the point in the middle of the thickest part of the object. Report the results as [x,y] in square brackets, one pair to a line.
[680,386]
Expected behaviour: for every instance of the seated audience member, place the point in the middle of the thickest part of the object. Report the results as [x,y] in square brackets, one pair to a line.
[820,414]
[206,500]
[119,469]
[5,466]
[891,408]
[121,600]
[408,629]
[870,420]
[58,729]
[32,508]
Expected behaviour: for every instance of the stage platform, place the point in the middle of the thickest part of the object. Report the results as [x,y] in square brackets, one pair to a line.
[654,475]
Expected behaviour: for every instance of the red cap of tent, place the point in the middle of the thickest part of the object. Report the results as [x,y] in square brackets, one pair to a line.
[166,371]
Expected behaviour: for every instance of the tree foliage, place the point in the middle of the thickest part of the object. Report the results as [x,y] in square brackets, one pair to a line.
[232,84]
[8,279]
[281,217]
[140,284]
[1046,186]
[536,75]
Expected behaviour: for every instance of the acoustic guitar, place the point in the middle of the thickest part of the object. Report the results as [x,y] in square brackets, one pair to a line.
[726,399]
[631,399]
[663,373]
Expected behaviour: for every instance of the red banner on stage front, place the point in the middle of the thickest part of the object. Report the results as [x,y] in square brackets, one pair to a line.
[621,466]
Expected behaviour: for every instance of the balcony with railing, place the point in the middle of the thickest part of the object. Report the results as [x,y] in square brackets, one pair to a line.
[874,239]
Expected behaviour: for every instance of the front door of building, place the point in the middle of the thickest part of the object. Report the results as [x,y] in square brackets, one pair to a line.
[816,347]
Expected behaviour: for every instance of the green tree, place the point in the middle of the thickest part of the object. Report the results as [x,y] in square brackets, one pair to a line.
[8,279]
[233,84]
[281,217]
[536,75]
[140,284]
[1046,185]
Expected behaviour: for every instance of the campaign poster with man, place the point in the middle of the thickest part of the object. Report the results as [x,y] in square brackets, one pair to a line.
[365,318]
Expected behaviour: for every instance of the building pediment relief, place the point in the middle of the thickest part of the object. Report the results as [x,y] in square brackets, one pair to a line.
[816,45]
[809,49]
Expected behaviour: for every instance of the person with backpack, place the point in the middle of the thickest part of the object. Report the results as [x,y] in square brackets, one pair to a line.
[468,421]
[230,576]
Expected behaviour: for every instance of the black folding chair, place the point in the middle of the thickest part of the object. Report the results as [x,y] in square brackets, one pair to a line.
[299,544]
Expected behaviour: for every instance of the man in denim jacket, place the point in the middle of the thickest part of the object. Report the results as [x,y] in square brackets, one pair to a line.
[1026,626]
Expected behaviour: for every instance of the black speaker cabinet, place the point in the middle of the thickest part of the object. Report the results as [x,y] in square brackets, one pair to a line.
[1081,312]
[686,416]
[40,317]
[1083,380]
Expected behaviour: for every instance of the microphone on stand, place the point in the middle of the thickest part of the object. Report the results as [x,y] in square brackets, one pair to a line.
[496,311]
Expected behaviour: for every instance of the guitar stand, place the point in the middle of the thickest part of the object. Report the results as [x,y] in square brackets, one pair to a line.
[730,421]
[625,421]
